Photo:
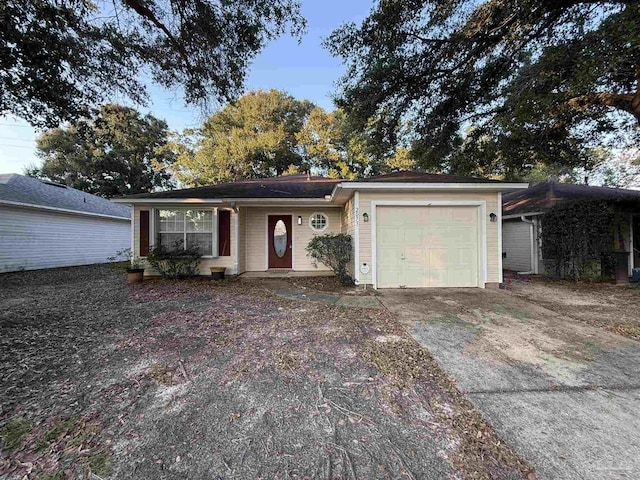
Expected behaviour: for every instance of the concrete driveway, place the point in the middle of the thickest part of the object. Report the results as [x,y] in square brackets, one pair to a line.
[563,393]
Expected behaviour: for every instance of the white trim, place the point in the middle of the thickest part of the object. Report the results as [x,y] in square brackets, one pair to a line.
[131,201]
[499,221]
[152,227]
[326,225]
[431,186]
[215,245]
[62,210]
[320,202]
[518,215]
[266,238]
[356,236]
[534,246]
[214,226]
[426,186]
[482,224]
[631,250]
[236,214]
[133,237]
[533,241]
[482,220]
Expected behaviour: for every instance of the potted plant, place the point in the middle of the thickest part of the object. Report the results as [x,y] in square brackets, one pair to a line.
[217,273]
[134,266]
[135,271]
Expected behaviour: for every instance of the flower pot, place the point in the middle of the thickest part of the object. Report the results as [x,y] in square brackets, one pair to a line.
[135,275]
[217,273]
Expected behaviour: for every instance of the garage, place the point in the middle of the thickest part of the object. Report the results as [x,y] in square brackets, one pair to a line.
[517,245]
[428,246]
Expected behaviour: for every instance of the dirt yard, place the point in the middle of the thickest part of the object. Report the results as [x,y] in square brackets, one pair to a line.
[614,307]
[227,380]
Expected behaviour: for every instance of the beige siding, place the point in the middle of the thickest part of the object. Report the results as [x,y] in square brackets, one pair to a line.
[256,235]
[492,206]
[242,260]
[36,238]
[349,228]
[516,244]
[228,262]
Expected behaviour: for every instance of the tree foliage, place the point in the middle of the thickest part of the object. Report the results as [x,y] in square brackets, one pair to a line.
[335,147]
[539,81]
[267,133]
[60,58]
[334,251]
[251,138]
[577,239]
[118,152]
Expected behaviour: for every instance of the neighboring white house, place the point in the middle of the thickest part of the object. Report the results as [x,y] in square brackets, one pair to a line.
[46,225]
[523,213]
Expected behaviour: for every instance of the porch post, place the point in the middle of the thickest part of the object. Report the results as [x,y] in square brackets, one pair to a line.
[237,242]
[631,244]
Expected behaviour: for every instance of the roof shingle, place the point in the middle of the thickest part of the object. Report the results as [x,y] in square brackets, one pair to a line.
[31,191]
[299,186]
[543,196]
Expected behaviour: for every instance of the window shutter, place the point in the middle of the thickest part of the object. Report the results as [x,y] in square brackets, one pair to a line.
[144,233]
[224,233]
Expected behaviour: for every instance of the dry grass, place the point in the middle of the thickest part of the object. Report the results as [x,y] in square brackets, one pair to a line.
[201,379]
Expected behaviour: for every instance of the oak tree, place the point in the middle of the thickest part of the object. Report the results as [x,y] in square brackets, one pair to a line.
[535,80]
[59,59]
[117,152]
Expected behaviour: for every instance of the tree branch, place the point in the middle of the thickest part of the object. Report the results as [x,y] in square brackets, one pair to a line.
[620,101]
[144,11]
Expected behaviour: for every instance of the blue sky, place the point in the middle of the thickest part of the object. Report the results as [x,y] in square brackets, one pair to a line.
[304,70]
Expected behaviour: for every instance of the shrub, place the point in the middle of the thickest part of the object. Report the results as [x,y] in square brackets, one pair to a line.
[577,240]
[334,251]
[175,262]
[127,260]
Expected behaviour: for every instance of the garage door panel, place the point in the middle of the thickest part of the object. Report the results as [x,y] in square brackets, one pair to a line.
[415,277]
[434,246]
[414,235]
[388,217]
[462,235]
[389,236]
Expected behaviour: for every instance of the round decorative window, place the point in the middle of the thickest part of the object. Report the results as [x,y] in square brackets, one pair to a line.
[318,221]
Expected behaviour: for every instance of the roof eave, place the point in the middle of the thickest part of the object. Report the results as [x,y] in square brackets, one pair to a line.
[34,206]
[502,187]
[218,201]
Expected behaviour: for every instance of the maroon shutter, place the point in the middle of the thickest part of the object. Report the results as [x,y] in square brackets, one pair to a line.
[144,233]
[224,233]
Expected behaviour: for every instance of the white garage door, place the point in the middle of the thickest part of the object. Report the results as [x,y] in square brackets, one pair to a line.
[427,246]
[516,246]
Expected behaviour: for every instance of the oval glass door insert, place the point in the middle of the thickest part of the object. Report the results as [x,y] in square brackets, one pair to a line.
[280,238]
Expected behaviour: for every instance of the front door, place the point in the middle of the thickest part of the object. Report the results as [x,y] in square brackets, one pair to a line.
[280,241]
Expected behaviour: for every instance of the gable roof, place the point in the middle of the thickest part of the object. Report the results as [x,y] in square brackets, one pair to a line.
[543,196]
[19,189]
[287,186]
[298,186]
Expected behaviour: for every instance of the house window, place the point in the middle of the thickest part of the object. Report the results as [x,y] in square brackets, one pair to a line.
[186,229]
[318,222]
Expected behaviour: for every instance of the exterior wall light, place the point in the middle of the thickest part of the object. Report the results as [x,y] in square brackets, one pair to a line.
[299,219]
[493,217]
[365,216]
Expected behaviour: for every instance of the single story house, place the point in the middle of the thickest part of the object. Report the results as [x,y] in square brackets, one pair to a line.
[45,225]
[409,229]
[522,213]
